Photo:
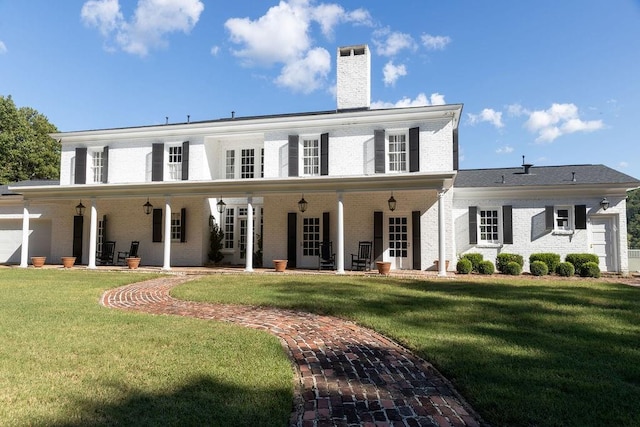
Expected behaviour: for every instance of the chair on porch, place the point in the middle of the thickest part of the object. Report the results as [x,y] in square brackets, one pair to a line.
[105,257]
[326,256]
[131,253]
[362,260]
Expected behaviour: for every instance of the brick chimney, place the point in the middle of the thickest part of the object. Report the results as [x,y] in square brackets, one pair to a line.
[354,77]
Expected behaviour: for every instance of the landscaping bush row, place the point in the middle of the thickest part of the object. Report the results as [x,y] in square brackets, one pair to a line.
[540,264]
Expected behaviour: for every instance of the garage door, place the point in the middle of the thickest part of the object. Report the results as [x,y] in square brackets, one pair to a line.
[11,239]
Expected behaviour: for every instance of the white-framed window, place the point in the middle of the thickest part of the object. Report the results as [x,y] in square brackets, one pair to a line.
[175,162]
[230,164]
[247,161]
[176,226]
[397,152]
[563,218]
[310,157]
[262,163]
[97,164]
[489,226]
[229,228]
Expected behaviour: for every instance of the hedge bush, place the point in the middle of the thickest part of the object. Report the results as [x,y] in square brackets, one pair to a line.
[503,259]
[590,269]
[464,266]
[475,259]
[565,269]
[538,268]
[578,260]
[486,267]
[550,259]
[512,268]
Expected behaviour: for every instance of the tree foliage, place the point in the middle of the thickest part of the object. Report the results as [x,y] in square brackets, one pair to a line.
[26,149]
[633,218]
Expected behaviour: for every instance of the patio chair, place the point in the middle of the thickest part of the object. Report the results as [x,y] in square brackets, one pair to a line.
[362,260]
[326,257]
[131,253]
[106,256]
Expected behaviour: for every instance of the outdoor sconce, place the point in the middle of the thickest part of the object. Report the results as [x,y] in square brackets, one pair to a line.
[80,209]
[221,206]
[604,204]
[302,204]
[392,203]
[148,207]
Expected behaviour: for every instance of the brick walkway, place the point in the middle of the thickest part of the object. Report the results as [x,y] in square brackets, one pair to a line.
[347,375]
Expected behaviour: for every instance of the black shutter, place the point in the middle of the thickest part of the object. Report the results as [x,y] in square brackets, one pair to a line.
[378,231]
[378,142]
[157,225]
[183,225]
[105,165]
[81,166]
[548,217]
[185,161]
[456,155]
[292,228]
[326,227]
[473,225]
[78,226]
[324,154]
[293,156]
[104,228]
[507,224]
[414,150]
[581,217]
[417,247]
[157,163]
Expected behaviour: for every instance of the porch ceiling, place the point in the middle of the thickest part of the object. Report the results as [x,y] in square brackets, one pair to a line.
[255,187]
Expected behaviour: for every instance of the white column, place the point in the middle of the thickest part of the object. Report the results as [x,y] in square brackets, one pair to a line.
[442,253]
[93,232]
[249,243]
[167,234]
[340,249]
[24,254]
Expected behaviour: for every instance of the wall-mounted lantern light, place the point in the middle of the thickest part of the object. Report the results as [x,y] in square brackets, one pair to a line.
[221,206]
[392,203]
[148,207]
[302,204]
[80,209]
[604,204]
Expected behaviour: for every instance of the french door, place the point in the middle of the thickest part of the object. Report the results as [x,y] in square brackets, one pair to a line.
[398,235]
[310,237]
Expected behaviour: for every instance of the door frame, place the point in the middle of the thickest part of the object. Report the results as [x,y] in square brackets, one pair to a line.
[612,240]
[385,240]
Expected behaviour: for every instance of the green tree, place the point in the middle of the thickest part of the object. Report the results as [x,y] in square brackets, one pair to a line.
[26,149]
[633,218]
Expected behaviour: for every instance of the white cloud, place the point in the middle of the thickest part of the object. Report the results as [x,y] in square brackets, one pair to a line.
[420,101]
[3,47]
[516,110]
[505,150]
[488,115]
[151,22]
[558,120]
[435,42]
[215,50]
[393,72]
[283,36]
[623,165]
[389,43]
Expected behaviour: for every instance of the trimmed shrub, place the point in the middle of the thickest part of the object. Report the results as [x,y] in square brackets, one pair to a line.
[590,269]
[539,268]
[550,259]
[578,260]
[565,269]
[512,268]
[475,259]
[503,259]
[464,266]
[486,267]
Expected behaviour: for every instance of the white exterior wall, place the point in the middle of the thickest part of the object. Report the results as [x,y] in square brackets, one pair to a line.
[353,77]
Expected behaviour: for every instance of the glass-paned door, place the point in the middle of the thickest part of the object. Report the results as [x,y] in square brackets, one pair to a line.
[311,235]
[398,240]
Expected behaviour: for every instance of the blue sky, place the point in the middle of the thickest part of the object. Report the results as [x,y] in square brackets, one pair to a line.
[556,81]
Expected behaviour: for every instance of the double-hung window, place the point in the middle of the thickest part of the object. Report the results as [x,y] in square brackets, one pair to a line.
[397,152]
[176,227]
[175,162]
[565,219]
[489,226]
[247,160]
[310,157]
[230,164]
[97,164]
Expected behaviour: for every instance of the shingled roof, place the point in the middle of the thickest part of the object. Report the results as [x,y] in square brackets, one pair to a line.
[4,189]
[542,176]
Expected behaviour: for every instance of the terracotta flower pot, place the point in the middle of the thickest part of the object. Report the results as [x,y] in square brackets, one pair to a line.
[280,265]
[383,267]
[446,265]
[38,261]
[68,261]
[133,262]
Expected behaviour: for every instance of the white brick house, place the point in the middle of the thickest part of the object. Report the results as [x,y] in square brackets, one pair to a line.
[345,163]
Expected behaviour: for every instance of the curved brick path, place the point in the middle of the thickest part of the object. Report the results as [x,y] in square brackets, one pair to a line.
[348,375]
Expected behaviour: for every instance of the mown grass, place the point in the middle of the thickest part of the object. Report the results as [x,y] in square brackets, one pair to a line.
[523,352]
[67,361]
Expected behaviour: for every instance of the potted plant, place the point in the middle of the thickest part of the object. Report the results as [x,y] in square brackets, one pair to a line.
[133,262]
[68,261]
[280,265]
[38,261]
[383,267]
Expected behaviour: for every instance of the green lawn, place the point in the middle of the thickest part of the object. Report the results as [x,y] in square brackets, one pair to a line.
[523,352]
[67,361]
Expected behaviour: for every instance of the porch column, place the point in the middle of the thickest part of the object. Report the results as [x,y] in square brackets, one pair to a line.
[93,232]
[167,234]
[249,243]
[340,249]
[24,254]
[442,253]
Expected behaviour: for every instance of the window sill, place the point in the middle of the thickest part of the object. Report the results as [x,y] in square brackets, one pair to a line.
[489,245]
[562,232]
